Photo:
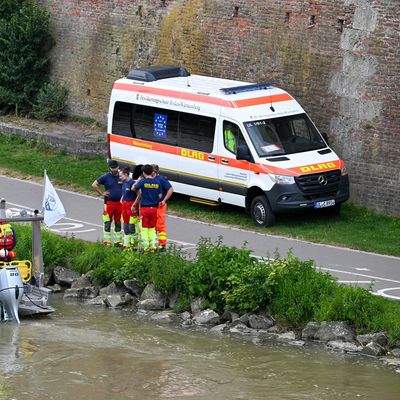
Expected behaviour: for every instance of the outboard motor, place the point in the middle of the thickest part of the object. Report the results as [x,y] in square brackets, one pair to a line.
[11,292]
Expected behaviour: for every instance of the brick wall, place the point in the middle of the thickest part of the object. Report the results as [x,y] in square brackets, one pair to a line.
[340,59]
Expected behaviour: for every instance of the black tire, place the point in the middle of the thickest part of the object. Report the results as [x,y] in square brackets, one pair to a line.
[261,212]
[333,211]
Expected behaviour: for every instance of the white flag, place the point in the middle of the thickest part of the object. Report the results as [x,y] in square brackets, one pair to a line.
[53,209]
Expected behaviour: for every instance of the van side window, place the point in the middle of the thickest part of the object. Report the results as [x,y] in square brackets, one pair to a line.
[232,136]
[161,125]
[155,124]
[121,119]
[196,132]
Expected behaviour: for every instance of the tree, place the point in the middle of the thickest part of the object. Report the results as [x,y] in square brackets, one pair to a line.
[25,42]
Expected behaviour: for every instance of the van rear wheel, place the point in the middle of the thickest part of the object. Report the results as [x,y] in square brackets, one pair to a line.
[261,212]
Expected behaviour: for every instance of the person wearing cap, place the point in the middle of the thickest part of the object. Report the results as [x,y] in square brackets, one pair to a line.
[112,202]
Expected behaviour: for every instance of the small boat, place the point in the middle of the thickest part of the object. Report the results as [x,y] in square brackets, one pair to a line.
[18,296]
[21,285]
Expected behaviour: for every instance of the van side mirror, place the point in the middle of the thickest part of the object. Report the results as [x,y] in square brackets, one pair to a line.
[243,153]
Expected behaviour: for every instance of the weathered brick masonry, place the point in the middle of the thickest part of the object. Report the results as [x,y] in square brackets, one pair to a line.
[340,58]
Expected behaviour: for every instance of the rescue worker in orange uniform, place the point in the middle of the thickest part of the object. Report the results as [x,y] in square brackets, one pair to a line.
[166,192]
[112,203]
[8,241]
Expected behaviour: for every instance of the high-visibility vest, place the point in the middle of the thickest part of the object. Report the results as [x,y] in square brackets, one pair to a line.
[7,237]
[230,140]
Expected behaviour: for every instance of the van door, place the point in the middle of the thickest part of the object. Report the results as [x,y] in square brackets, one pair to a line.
[233,174]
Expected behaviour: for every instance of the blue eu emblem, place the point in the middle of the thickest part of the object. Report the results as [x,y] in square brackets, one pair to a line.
[160,126]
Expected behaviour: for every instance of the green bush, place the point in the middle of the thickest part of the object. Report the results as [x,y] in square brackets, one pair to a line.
[24,47]
[352,304]
[248,290]
[214,264]
[168,271]
[51,102]
[133,265]
[297,289]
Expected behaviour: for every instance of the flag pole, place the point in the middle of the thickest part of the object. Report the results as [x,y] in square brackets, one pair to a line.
[44,190]
[37,251]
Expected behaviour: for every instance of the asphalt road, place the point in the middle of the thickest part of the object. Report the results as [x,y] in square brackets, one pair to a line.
[83,220]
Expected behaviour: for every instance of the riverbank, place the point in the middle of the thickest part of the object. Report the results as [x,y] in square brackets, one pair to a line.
[225,287]
[83,351]
[260,328]
[355,228]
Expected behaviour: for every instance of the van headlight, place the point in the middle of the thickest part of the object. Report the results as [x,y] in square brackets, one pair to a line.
[343,171]
[282,179]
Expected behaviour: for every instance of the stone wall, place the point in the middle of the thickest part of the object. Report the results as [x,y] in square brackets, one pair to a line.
[339,58]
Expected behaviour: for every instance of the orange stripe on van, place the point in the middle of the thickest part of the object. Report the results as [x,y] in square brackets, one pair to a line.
[232,162]
[256,101]
[276,98]
[164,148]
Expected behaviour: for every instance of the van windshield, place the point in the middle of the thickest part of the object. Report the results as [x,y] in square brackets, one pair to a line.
[284,135]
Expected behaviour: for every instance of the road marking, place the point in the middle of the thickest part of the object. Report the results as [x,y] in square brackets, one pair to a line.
[74,225]
[361,269]
[382,292]
[377,278]
[70,227]
[354,281]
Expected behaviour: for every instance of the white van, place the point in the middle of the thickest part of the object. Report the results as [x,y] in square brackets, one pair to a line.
[224,141]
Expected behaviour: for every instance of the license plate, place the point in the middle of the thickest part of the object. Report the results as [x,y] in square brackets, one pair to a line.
[323,204]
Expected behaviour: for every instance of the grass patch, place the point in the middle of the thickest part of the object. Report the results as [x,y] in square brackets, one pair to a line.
[356,227]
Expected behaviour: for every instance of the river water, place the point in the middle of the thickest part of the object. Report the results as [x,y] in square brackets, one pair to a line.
[82,352]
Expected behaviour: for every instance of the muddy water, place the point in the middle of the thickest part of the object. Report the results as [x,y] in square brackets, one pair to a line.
[87,353]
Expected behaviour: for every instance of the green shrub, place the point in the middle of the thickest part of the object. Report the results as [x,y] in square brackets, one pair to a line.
[51,102]
[214,264]
[168,271]
[297,289]
[91,256]
[24,47]
[352,304]
[133,265]
[248,290]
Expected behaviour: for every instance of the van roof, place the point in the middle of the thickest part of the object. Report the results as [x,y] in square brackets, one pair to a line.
[217,91]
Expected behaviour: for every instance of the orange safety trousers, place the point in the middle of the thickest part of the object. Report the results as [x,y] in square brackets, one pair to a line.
[161,226]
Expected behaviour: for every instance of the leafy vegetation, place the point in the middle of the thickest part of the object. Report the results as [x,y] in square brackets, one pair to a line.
[51,102]
[227,278]
[24,47]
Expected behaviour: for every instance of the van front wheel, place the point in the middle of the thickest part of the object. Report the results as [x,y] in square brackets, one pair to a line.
[261,212]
